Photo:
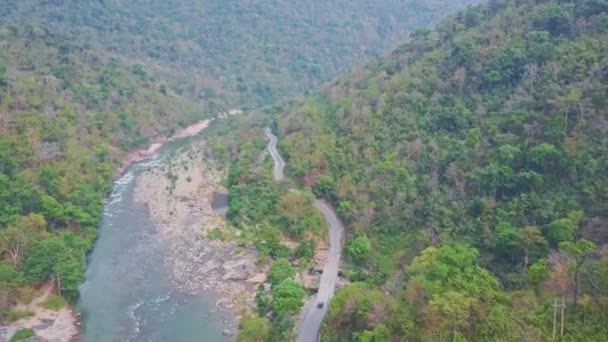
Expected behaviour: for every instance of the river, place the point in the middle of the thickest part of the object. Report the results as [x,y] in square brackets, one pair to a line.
[127,295]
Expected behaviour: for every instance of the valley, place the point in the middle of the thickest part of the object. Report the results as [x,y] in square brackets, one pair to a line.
[400,170]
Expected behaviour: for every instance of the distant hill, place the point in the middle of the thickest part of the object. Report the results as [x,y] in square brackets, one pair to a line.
[234,53]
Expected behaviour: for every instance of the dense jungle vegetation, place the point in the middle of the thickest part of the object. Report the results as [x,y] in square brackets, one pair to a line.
[84,82]
[67,117]
[241,54]
[470,168]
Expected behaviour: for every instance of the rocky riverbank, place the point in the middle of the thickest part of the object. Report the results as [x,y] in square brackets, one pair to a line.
[179,194]
[61,325]
[158,142]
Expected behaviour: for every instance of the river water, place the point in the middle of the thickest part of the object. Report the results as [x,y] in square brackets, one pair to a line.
[127,295]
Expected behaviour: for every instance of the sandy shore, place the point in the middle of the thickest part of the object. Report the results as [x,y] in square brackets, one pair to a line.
[178,195]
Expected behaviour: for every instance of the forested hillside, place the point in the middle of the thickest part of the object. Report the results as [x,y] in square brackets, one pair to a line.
[235,53]
[470,168]
[67,117]
[84,82]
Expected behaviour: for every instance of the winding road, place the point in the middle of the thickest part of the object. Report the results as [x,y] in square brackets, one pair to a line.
[279,163]
[311,316]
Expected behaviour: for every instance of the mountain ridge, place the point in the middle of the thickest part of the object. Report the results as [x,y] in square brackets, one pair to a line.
[477,147]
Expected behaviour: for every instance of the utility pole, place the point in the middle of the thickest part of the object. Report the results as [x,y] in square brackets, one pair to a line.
[563,307]
[555,306]
[554,316]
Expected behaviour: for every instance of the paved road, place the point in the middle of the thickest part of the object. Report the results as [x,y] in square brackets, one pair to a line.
[311,316]
[279,163]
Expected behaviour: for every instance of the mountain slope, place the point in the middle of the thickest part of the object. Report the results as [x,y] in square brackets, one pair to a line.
[487,140]
[82,83]
[236,53]
[68,116]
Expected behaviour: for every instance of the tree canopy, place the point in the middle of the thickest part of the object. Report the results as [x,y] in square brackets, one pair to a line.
[472,161]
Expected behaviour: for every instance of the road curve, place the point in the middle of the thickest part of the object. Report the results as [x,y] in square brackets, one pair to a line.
[311,316]
[279,163]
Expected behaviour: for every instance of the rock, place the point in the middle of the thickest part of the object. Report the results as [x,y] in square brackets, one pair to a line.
[310,282]
[227,332]
[257,279]
[183,215]
[34,339]
[239,269]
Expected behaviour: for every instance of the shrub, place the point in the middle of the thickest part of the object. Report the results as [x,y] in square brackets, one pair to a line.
[22,334]
[54,303]
[280,270]
[15,315]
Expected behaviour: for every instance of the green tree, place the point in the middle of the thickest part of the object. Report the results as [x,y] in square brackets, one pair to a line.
[458,287]
[325,186]
[537,273]
[580,251]
[69,274]
[263,302]
[552,17]
[280,270]
[381,333]
[358,307]
[7,210]
[533,243]
[306,249]
[546,157]
[448,314]
[8,163]
[41,258]
[254,330]
[17,237]
[269,242]
[3,76]
[53,211]
[563,229]
[283,327]
[287,297]
[13,241]
[10,281]
[506,236]
[294,206]
[359,248]
[454,268]
[298,213]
